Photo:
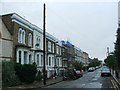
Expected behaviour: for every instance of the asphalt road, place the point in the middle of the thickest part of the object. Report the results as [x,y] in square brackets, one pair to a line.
[89,80]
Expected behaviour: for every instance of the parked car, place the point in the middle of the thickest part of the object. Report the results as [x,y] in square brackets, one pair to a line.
[72,74]
[69,74]
[97,67]
[105,72]
[78,74]
[91,69]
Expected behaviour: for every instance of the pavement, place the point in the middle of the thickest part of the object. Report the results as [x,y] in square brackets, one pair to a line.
[35,84]
[48,82]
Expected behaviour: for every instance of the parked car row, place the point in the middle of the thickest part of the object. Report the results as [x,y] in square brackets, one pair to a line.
[91,69]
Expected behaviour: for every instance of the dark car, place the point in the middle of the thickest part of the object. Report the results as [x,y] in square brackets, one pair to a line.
[105,72]
[69,74]
[78,74]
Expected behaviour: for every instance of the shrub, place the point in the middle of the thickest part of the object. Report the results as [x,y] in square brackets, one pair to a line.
[8,74]
[39,76]
[26,72]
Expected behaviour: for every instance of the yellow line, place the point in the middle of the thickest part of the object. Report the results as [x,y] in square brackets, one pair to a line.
[115,84]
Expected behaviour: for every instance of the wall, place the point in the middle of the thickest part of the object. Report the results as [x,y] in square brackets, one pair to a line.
[6,43]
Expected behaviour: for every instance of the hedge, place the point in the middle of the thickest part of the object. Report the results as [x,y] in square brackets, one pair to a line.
[26,72]
[39,76]
[8,74]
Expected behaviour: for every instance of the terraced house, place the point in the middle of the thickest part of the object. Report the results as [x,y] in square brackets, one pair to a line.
[22,42]
[18,35]
[38,47]
[50,60]
[54,58]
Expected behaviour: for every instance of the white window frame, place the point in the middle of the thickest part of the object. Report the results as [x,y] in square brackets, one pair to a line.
[49,46]
[25,57]
[53,47]
[19,56]
[30,59]
[30,39]
[20,35]
[49,61]
[38,40]
[23,36]
[38,58]
[52,61]
[57,49]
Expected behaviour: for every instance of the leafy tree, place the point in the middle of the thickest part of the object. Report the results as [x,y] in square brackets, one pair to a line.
[77,65]
[95,62]
[111,61]
[117,48]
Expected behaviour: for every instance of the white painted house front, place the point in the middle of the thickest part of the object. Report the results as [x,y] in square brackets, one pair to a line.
[38,47]
[50,60]
[58,55]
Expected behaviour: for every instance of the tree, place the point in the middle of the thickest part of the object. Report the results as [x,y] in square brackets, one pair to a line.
[111,61]
[117,48]
[77,65]
[95,62]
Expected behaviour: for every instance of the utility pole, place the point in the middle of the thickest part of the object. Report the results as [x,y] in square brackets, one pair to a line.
[44,69]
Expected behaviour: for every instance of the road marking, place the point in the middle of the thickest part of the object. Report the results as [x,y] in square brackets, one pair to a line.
[83,84]
[95,79]
[115,85]
[116,80]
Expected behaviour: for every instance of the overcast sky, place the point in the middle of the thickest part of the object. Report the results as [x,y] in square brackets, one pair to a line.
[91,26]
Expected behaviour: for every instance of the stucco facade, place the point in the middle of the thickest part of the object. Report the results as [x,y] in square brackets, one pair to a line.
[38,47]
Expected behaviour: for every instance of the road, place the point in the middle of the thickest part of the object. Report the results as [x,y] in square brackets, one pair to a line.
[89,80]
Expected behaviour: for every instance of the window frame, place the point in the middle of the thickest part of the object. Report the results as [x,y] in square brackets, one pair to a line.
[29,39]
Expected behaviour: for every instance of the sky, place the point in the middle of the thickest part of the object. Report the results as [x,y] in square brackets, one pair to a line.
[90,24]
